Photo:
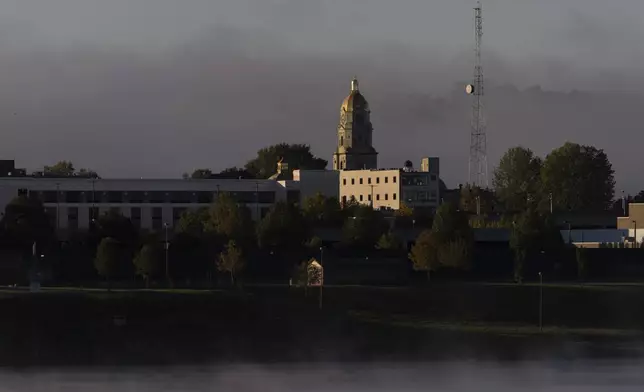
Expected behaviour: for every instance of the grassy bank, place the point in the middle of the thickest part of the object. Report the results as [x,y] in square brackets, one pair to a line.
[268,323]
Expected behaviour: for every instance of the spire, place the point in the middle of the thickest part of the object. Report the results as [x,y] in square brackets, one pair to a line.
[354,84]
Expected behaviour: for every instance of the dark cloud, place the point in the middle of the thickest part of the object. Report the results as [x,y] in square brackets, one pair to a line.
[217,98]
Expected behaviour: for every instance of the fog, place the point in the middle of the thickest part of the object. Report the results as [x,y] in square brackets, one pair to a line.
[446,376]
[155,88]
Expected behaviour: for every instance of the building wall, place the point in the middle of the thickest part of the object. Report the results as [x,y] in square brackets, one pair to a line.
[358,183]
[391,188]
[149,203]
[634,222]
[311,182]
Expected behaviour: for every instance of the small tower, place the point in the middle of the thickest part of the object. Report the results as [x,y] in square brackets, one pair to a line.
[354,134]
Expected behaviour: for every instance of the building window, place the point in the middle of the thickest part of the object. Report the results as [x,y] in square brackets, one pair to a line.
[135,216]
[386,180]
[135,197]
[360,181]
[368,197]
[344,181]
[353,181]
[204,197]
[22,192]
[378,197]
[386,196]
[72,218]
[360,197]
[369,180]
[176,215]
[157,218]
[377,180]
[344,200]
[394,180]
[394,195]
[433,177]
[73,197]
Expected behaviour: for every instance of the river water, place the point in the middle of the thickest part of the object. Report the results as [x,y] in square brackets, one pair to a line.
[469,375]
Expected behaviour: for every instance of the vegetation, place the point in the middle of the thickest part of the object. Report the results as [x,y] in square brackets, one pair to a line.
[109,257]
[231,261]
[149,262]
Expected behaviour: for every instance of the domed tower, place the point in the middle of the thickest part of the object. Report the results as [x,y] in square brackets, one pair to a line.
[355,150]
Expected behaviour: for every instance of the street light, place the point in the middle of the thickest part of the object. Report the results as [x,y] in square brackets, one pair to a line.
[167,246]
[540,302]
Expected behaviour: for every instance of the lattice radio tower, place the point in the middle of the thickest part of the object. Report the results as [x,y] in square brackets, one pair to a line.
[478,141]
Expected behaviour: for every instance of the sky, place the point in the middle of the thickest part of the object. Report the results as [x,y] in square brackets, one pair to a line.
[156,88]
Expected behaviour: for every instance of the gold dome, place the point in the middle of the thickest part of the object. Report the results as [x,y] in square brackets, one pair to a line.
[355,100]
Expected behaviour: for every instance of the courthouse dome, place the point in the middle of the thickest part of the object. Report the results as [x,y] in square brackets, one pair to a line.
[354,101]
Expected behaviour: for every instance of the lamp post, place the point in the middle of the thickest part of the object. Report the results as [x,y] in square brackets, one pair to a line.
[635,234]
[167,246]
[372,204]
[57,206]
[540,302]
[551,202]
[569,234]
[623,204]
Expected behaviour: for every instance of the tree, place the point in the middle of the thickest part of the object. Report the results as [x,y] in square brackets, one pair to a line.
[201,174]
[322,211]
[475,200]
[109,257]
[25,222]
[114,225]
[87,173]
[283,229]
[193,222]
[314,243]
[298,156]
[424,253]
[579,178]
[231,261]
[388,241]
[364,227]
[532,233]
[234,173]
[227,219]
[451,224]
[455,254]
[517,178]
[149,262]
[62,169]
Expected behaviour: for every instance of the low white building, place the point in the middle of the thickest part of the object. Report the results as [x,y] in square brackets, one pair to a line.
[391,188]
[150,203]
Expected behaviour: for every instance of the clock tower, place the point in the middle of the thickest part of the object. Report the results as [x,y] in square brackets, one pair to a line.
[354,144]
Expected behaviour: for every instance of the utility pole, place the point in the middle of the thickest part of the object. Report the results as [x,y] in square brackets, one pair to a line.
[478,134]
[57,207]
[257,201]
[540,302]
[550,202]
[372,204]
[167,247]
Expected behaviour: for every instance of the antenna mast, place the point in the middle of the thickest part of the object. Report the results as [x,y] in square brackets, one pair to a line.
[478,141]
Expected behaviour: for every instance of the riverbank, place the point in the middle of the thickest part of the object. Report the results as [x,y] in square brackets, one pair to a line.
[278,324]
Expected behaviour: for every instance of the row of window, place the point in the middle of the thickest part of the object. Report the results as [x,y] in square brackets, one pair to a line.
[361,180]
[417,179]
[116,197]
[368,197]
[135,216]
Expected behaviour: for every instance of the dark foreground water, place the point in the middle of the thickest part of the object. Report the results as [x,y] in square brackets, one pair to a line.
[552,375]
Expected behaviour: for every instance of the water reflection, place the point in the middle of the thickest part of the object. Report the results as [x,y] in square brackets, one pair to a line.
[582,375]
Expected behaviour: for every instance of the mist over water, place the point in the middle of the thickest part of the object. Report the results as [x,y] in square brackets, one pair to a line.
[554,375]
